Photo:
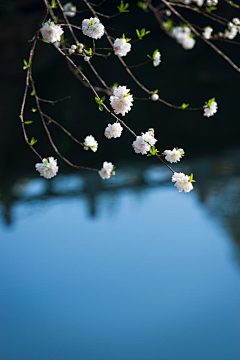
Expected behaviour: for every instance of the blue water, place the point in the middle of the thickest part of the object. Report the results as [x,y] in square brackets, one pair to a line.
[153,275]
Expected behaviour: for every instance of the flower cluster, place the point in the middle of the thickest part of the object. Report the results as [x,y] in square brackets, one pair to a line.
[156,58]
[184,37]
[113,131]
[107,170]
[121,100]
[69,9]
[143,143]
[121,47]
[233,29]
[48,168]
[51,32]
[207,32]
[174,155]
[183,182]
[210,108]
[93,28]
[73,48]
[90,142]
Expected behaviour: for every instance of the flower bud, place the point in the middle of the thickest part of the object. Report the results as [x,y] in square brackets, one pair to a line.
[155,97]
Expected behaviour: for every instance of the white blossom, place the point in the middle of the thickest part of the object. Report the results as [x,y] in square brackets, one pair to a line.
[93,28]
[48,168]
[91,143]
[199,2]
[69,9]
[184,37]
[156,59]
[149,137]
[107,170]
[212,2]
[121,100]
[210,108]
[236,21]
[113,130]
[51,32]
[207,32]
[155,97]
[121,47]
[143,143]
[188,43]
[80,47]
[140,146]
[86,58]
[231,32]
[182,182]
[174,155]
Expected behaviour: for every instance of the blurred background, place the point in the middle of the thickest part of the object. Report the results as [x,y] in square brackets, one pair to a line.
[125,269]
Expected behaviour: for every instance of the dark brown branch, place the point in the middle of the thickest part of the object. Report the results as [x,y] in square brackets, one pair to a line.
[53,102]
[50,120]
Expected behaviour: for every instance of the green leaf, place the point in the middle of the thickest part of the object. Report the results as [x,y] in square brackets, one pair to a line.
[127,95]
[32,93]
[28,122]
[26,64]
[100,108]
[142,5]
[211,8]
[88,52]
[97,100]
[191,178]
[142,33]
[33,110]
[122,8]
[209,102]
[153,150]
[150,57]
[184,106]
[115,85]
[168,25]
[47,42]
[155,91]
[33,141]
[103,99]
[53,4]
[154,53]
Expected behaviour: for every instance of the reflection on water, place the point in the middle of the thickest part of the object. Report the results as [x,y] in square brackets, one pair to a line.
[126,269]
[217,187]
